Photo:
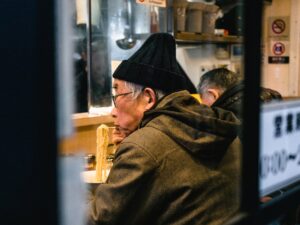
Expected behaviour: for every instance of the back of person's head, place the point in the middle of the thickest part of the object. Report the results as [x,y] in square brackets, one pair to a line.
[154,65]
[220,78]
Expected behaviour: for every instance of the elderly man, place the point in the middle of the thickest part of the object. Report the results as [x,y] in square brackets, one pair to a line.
[225,89]
[179,162]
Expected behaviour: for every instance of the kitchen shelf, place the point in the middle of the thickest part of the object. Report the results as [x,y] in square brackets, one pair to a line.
[197,38]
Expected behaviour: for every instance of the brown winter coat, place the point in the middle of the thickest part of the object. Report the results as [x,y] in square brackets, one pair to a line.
[182,166]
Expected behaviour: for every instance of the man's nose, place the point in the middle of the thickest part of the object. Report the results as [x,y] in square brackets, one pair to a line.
[114,112]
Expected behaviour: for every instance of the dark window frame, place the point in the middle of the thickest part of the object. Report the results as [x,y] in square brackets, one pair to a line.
[252,212]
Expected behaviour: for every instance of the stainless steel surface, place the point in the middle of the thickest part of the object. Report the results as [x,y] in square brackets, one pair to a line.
[128,41]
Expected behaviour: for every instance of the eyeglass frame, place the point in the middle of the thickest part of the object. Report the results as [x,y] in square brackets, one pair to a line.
[114,97]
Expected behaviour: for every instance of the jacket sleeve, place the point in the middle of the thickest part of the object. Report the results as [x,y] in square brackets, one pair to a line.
[131,168]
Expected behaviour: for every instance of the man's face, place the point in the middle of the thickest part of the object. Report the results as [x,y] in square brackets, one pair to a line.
[209,96]
[207,99]
[128,112]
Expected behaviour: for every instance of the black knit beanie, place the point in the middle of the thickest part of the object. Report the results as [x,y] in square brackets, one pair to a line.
[154,65]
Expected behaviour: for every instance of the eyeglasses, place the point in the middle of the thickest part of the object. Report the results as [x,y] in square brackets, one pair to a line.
[114,97]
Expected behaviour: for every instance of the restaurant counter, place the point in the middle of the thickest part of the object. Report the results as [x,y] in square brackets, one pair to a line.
[84,136]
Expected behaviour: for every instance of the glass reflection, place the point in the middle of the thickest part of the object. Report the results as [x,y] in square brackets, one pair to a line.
[80,56]
[80,71]
[111,23]
[99,55]
[100,78]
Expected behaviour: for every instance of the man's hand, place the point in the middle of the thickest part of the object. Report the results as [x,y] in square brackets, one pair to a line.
[118,135]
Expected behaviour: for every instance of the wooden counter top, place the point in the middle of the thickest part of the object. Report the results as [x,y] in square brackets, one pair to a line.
[84,136]
[85,119]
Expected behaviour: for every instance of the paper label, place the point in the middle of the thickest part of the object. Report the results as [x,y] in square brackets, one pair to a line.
[159,3]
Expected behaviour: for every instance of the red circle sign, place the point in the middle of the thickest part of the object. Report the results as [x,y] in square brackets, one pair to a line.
[278,48]
[278,26]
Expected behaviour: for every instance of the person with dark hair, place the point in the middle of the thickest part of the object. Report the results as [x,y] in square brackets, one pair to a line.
[224,88]
[179,162]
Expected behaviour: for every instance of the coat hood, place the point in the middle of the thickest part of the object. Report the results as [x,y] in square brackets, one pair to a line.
[203,131]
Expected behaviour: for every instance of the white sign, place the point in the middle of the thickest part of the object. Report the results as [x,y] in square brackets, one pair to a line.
[160,3]
[279,146]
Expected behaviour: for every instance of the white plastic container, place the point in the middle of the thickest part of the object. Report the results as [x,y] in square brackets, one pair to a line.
[194,20]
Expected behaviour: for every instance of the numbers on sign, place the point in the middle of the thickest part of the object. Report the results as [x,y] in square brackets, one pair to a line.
[275,163]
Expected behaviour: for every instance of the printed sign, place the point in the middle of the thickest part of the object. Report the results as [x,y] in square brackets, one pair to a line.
[279,27]
[279,52]
[278,48]
[279,146]
[160,3]
[278,59]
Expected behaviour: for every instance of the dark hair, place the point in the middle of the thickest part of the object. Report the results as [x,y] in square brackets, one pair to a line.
[220,78]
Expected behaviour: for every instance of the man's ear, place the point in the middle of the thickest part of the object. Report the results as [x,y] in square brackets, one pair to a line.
[150,98]
[214,93]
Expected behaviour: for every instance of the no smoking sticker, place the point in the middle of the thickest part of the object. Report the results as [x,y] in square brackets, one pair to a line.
[279,27]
